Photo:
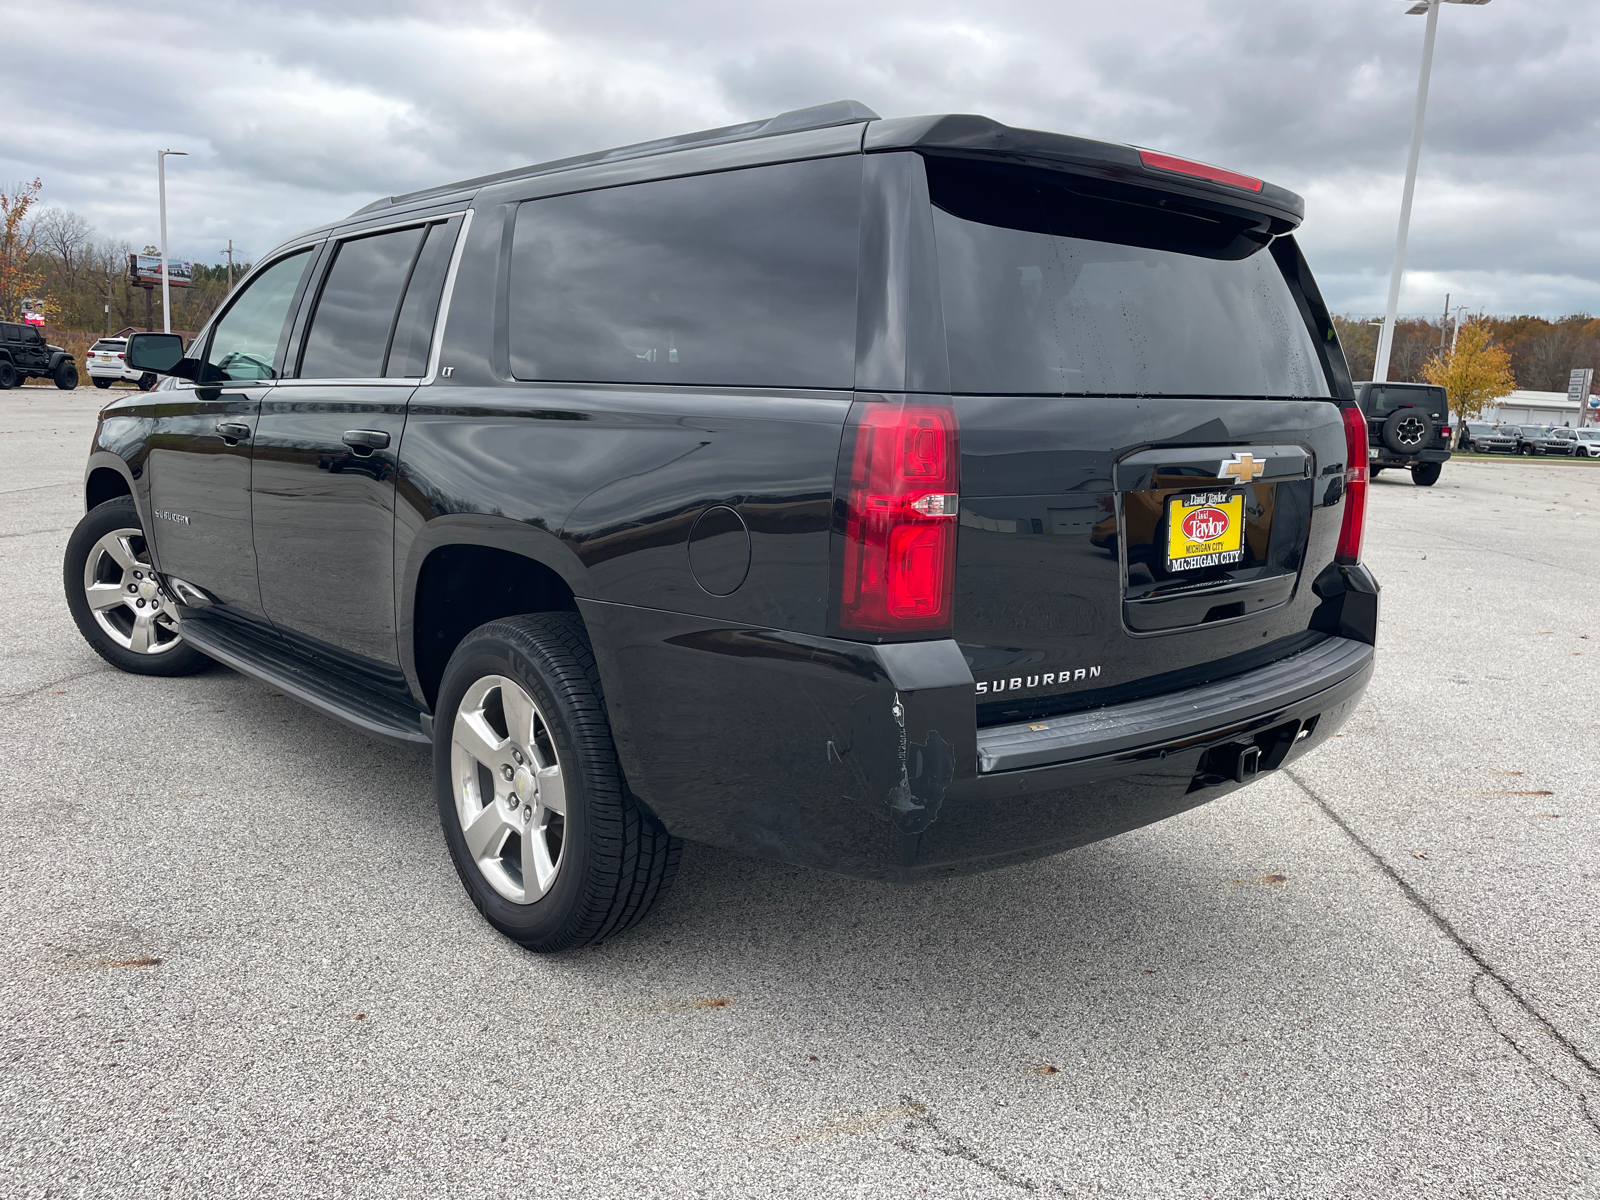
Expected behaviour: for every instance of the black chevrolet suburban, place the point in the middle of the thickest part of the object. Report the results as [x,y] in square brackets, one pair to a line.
[895,497]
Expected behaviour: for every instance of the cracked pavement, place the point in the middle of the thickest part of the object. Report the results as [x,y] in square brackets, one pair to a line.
[240,962]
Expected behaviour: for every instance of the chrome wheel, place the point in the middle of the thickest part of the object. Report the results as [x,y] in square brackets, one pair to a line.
[126,600]
[510,797]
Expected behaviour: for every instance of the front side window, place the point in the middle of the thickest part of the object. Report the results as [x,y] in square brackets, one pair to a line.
[245,344]
[1052,288]
[740,278]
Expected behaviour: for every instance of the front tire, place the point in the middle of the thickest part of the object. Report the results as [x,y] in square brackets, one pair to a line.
[550,845]
[115,598]
[147,381]
[8,376]
[1426,474]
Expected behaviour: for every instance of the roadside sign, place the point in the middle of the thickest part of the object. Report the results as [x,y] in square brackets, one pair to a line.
[145,269]
[1578,389]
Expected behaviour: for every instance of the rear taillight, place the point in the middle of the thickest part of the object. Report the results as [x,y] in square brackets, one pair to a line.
[900,523]
[1200,170]
[1354,527]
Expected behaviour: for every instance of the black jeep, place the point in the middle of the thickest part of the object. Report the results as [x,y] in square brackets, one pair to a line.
[1408,426]
[752,487]
[24,354]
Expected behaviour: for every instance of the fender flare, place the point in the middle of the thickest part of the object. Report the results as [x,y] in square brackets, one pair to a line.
[103,460]
[532,542]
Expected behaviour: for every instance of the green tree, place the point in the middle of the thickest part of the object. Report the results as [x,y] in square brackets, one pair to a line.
[1475,372]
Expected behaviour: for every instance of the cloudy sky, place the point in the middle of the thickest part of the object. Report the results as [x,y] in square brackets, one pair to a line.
[297,113]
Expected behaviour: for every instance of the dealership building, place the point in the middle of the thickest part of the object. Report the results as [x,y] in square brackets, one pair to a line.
[1536,408]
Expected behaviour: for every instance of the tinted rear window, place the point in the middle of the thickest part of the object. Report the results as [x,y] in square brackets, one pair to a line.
[1381,400]
[1053,289]
[739,278]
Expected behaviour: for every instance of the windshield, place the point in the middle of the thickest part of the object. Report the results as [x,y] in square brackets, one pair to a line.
[1049,289]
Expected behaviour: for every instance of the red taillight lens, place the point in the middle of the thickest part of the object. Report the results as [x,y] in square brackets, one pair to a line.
[1200,170]
[900,525]
[1354,527]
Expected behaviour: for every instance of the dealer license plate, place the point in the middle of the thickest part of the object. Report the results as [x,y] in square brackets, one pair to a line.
[1205,529]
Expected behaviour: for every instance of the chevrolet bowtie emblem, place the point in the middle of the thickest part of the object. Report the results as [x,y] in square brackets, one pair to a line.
[1241,468]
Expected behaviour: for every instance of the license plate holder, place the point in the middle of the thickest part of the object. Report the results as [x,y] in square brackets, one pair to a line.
[1205,529]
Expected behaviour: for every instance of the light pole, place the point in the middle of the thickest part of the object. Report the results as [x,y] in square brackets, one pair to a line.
[161,188]
[1430,9]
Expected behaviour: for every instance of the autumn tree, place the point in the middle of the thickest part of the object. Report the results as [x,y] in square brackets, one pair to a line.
[18,277]
[1473,373]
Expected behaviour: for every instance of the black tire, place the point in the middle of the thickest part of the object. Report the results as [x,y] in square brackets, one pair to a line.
[147,381]
[102,383]
[1426,474]
[8,376]
[615,860]
[1404,431]
[175,656]
[1374,472]
[66,375]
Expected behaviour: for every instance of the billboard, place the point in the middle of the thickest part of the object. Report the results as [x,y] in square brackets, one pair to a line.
[146,268]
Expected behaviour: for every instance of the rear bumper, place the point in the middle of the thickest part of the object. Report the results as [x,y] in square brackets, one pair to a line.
[867,761]
[1384,458]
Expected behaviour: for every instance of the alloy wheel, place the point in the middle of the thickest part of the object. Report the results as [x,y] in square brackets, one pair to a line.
[127,601]
[510,795]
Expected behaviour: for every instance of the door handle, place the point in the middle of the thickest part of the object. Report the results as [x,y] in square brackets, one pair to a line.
[367,439]
[233,431]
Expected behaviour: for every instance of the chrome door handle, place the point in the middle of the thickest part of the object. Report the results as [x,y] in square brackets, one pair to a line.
[369,439]
[233,431]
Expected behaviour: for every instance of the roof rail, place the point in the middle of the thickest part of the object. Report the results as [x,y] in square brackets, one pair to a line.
[821,116]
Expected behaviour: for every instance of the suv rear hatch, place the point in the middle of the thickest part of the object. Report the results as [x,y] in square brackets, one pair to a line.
[1152,458]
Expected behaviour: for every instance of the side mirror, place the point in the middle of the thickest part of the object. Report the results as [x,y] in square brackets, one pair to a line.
[161,353]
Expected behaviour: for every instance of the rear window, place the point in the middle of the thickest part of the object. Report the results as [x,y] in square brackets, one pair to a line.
[739,278]
[1050,288]
[1381,400]
[109,344]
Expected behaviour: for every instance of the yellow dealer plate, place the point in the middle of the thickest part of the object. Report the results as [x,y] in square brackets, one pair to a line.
[1205,529]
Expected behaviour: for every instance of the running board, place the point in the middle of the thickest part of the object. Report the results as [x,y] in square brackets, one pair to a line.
[375,713]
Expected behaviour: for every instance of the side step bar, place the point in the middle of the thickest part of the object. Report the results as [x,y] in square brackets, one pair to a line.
[374,713]
[1195,710]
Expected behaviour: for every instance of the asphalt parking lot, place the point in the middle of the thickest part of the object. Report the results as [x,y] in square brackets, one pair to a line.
[241,964]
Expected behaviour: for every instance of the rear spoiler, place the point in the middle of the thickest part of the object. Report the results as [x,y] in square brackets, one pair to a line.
[980,137]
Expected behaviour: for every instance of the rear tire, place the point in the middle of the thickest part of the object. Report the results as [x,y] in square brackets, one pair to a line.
[106,557]
[527,773]
[1426,474]
[66,376]
[147,381]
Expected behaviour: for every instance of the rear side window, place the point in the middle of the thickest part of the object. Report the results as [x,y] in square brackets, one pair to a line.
[739,278]
[1051,288]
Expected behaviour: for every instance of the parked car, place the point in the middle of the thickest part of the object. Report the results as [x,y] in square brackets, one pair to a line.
[1539,439]
[106,365]
[1408,426]
[24,355]
[1586,443]
[742,487]
[1483,438]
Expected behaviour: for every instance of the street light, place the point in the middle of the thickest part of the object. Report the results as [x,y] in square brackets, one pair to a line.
[1430,9]
[161,188]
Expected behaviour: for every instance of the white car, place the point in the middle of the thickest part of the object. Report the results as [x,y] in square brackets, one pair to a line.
[1588,443]
[105,366]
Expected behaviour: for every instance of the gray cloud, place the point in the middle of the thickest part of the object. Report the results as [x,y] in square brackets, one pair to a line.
[295,113]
